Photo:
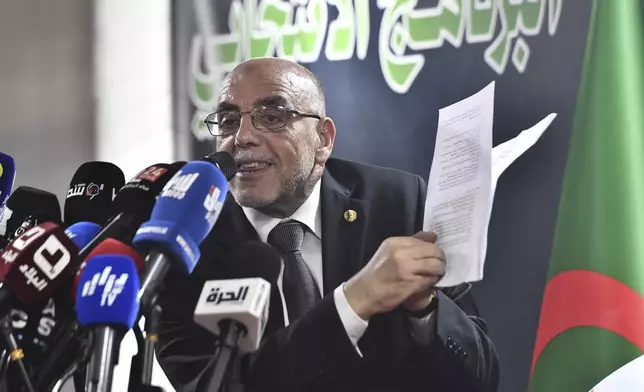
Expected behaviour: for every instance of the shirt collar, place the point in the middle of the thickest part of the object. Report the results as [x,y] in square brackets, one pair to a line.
[308,214]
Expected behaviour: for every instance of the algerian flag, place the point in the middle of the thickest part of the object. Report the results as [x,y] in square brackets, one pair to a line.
[592,315]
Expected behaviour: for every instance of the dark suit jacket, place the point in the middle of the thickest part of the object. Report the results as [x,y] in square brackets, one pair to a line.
[314,353]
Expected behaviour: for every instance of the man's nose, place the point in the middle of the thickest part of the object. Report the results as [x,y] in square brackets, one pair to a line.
[247,134]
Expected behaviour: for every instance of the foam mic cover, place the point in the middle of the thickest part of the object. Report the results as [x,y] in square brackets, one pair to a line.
[138,196]
[107,301]
[107,292]
[7,177]
[110,246]
[133,204]
[184,214]
[40,261]
[27,207]
[91,191]
[82,232]
[224,161]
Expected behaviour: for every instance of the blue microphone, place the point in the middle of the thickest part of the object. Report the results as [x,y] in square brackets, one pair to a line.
[183,215]
[7,177]
[81,233]
[107,302]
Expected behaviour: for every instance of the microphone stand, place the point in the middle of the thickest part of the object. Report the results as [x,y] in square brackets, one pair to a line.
[68,336]
[152,327]
[16,353]
[100,371]
[4,366]
[225,354]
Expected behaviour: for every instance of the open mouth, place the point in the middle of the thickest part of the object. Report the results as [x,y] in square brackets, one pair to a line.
[249,167]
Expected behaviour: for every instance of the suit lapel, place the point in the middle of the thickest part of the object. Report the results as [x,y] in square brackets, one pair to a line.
[342,236]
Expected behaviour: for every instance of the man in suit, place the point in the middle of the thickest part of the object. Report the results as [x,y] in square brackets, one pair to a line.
[362,312]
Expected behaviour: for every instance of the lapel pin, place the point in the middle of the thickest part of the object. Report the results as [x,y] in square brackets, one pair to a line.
[350,216]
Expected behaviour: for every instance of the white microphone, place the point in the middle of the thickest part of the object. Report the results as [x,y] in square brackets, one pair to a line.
[237,301]
[237,311]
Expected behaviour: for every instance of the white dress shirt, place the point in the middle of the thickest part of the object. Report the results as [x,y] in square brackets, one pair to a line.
[309,214]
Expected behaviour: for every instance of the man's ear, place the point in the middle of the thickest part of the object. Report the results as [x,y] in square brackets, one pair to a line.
[326,136]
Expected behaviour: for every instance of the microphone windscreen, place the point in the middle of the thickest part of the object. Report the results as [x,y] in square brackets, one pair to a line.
[40,261]
[138,196]
[29,207]
[110,246]
[184,214]
[91,191]
[7,177]
[107,292]
[253,259]
[82,233]
[224,161]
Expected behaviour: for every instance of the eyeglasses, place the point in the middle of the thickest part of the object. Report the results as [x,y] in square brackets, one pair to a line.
[267,118]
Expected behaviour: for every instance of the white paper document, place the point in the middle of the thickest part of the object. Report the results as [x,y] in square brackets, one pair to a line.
[502,157]
[462,181]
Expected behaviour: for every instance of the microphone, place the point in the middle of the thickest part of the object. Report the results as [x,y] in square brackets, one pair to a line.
[66,343]
[183,215]
[133,204]
[81,233]
[7,178]
[224,162]
[91,191]
[33,327]
[41,259]
[106,300]
[26,207]
[237,310]
[110,246]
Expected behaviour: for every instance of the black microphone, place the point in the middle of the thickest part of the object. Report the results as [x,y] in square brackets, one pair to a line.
[238,309]
[27,207]
[91,191]
[133,204]
[224,162]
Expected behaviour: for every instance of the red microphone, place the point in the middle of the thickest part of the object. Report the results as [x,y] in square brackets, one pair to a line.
[37,264]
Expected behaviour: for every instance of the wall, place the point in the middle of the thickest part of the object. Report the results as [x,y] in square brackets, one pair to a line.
[46,106]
